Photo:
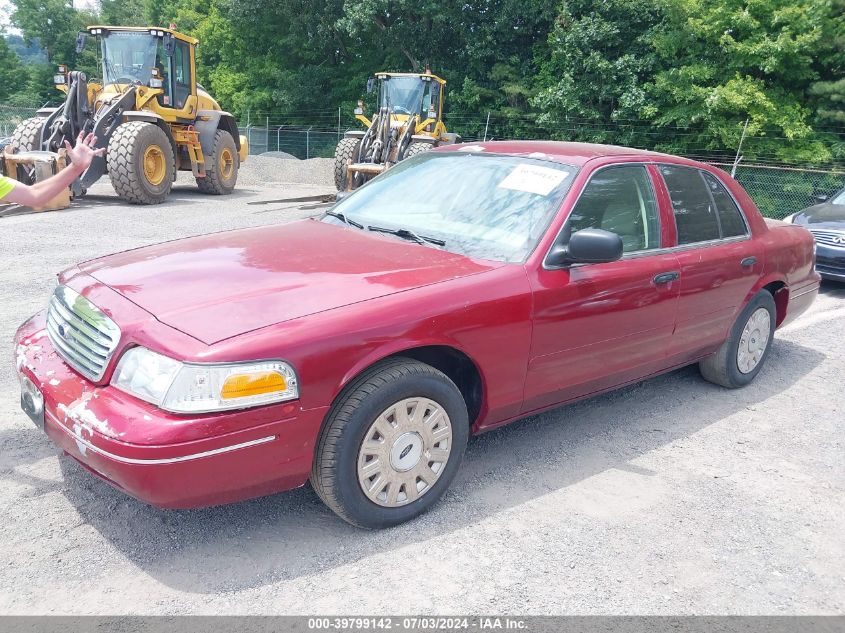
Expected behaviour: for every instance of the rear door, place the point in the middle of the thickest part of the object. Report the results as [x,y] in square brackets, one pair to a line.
[719,262]
[600,325]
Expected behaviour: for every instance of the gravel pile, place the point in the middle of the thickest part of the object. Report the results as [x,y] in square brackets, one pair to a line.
[267,170]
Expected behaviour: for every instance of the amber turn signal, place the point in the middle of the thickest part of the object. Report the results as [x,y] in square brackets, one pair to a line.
[252,384]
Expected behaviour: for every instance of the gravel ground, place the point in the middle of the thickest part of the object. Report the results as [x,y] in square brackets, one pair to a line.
[672,496]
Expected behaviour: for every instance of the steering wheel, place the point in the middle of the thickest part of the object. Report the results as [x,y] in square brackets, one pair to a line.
[404,111]
[133,81]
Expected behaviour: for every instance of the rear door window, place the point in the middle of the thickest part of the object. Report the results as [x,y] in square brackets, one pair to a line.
[695,213]
[730,218]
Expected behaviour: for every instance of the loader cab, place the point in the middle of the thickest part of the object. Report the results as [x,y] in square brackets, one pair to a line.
[152,57]
[405,94]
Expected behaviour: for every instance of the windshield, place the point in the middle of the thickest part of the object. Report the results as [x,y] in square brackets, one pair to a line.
[403,95]
[480,205]
[128,57]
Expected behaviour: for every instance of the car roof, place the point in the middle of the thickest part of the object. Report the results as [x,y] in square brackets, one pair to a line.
[563,151]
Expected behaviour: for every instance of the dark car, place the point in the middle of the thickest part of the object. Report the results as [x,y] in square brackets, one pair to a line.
[826,221]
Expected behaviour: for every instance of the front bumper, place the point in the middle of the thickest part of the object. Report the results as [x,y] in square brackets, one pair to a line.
[163,459]
[830,262]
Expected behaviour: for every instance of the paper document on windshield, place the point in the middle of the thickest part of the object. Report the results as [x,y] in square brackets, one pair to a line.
[534,179]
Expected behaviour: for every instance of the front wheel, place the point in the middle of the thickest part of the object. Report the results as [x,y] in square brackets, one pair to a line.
[221,168]
[141,163]
[391,445]
[741,356]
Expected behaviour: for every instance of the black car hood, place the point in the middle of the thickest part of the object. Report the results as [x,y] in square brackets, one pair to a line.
[822,216]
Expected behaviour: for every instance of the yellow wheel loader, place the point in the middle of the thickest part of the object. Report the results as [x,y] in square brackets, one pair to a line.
[409,121]
[148,111]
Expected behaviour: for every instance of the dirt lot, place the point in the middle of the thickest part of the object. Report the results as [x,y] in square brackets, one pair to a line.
[672,496]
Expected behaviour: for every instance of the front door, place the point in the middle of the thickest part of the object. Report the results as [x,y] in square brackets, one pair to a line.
[601,325]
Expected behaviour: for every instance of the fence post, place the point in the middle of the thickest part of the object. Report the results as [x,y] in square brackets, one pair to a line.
[738,149]
[486,125]
[338,125]
[278,142]
[308,143]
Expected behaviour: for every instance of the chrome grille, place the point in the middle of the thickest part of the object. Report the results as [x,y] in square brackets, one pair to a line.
[829,238]
[82,335]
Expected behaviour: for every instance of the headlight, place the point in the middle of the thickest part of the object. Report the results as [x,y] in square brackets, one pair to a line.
[789,218]
[198,388]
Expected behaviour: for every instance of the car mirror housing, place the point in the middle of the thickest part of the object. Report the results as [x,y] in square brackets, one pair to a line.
[588,246]
[820,198]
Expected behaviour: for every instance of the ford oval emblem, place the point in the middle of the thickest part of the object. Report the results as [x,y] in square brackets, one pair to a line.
[62,331]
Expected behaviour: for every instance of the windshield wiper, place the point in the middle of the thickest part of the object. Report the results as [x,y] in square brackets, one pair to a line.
[344,219]
[408,234]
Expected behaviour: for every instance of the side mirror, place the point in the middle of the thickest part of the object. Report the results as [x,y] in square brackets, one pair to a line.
[169,44]
[81,37]
[341,195]
[819,198]
[371,84]
[587,246]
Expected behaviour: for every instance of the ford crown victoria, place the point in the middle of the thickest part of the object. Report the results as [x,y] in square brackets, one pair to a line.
[463,289]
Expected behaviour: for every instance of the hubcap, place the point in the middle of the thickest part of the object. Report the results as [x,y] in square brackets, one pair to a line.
[754,340]
[154,166]
[404,452]
[227,163]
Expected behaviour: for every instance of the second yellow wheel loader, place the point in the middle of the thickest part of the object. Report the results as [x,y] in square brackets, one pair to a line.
[409,121]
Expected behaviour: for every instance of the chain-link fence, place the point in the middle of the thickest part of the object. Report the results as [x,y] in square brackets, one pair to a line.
[782,191]
[299,141]
[11,116]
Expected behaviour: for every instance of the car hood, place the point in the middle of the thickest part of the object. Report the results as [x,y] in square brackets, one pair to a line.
[822,216]
[217,286]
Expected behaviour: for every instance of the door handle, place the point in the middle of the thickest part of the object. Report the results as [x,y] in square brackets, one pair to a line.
[748,262]
[665,278]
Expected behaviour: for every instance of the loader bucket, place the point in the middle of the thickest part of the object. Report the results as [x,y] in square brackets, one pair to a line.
[35,166]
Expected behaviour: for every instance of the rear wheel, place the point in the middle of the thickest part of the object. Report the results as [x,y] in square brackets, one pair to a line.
[221,168]
[345,153]
[27,135]
[141,163]
[741,357]
[391,445]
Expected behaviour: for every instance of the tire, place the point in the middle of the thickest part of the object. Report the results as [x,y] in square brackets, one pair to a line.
[338,475]
[221,168]
[346,151]
[729,367]
[27,135]
[141,163]
[417,148]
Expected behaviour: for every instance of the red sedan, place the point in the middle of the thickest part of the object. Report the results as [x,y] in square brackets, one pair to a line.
[464,289]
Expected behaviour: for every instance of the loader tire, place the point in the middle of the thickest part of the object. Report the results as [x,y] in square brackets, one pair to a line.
[345,153]
[221,168]
[27,136]
[141,163]
[417,148]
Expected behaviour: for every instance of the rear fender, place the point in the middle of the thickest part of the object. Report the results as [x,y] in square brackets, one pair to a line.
[207,124]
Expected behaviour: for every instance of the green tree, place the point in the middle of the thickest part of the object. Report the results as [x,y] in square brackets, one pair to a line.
[599,60]
[727,61]
[12,75]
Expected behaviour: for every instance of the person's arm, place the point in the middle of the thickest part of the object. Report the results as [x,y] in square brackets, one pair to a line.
[41,193]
